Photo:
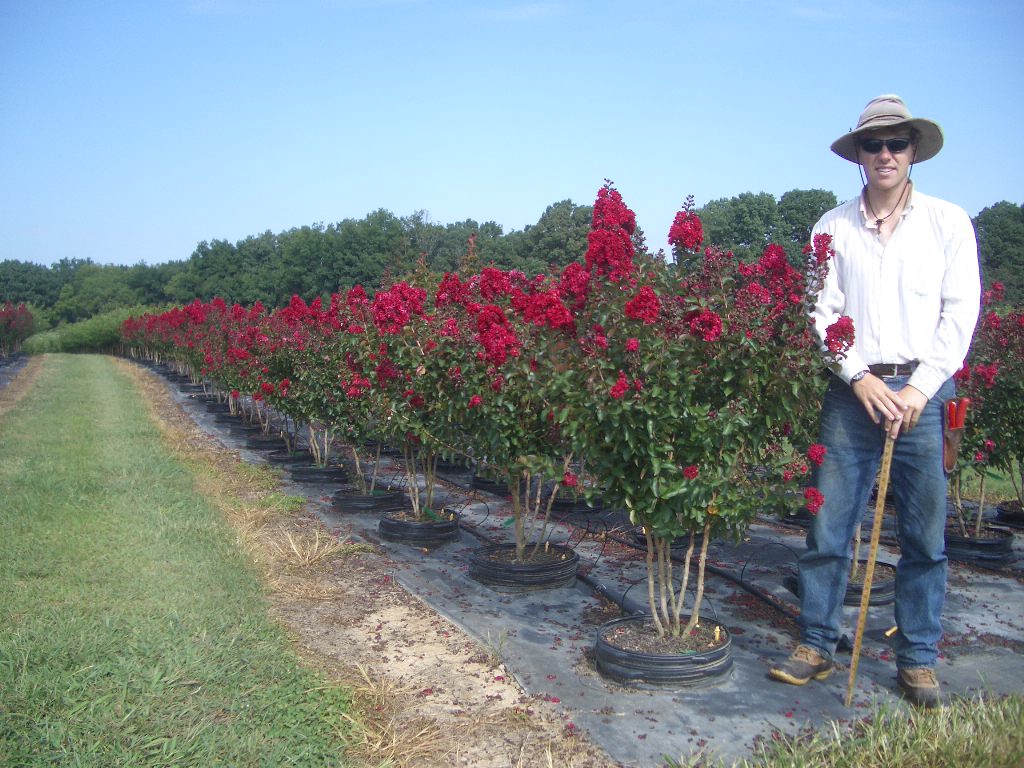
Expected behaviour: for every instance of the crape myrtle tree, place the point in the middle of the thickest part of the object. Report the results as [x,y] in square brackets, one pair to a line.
[686,385]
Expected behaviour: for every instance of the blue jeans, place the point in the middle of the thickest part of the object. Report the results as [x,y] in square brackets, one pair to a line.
[918,483]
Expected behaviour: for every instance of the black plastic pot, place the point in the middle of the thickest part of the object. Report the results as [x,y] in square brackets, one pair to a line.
[494,565]
[1010,513]
[640,670]
[576,505]
[244,429]
[312,473]
[679,542]
[994,550]
[495,487]
[883,590]
[350,502]
[395,526]
[455,466]
[284,456]
[265,443]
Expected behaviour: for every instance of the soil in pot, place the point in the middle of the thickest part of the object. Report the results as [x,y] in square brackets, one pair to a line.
[431,530]
[550,567]
[630,651]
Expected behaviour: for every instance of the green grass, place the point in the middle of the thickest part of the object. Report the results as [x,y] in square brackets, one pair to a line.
[971,732]
[132,630]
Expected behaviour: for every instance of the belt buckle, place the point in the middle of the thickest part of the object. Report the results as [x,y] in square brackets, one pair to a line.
[894,371]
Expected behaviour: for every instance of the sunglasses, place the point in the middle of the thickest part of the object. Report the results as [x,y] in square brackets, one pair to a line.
[874,146]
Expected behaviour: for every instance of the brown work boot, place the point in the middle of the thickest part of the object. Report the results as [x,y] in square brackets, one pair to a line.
[804,664]
[919,686]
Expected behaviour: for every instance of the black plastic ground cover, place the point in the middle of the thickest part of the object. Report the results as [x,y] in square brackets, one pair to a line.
[10,366]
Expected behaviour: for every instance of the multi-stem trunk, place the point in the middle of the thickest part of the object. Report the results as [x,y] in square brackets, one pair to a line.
[958,506]
[701,565]
[981,508]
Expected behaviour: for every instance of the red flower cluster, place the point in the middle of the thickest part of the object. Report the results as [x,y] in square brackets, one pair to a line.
[544,308]
[707,325]
[392,309]
[573,285]
[620,387]
[644,306]
[692,472]
[839,336]
[610,245]
[816,453]
[496,335]
[814,499]
[686,231]
[820,249]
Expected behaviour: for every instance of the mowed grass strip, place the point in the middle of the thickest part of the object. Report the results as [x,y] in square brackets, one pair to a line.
[132,629]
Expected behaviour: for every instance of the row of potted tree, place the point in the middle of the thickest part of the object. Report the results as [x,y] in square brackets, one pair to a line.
[675,389]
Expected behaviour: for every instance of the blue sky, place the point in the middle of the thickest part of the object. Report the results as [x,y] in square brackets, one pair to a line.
[131,131]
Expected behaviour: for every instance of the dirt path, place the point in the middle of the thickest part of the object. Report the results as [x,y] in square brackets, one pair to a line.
[429,694]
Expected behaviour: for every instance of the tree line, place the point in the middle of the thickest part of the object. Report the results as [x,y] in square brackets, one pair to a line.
[315,259]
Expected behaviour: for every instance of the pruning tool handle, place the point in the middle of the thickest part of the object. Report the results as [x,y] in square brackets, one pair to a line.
[956,412]
[953,431]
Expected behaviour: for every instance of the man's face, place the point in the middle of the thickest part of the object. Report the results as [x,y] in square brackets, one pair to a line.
[886,169]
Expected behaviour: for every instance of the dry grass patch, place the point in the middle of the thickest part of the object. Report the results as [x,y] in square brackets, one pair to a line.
[427,695]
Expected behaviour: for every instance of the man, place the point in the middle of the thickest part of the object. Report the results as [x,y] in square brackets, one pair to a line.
[906,271]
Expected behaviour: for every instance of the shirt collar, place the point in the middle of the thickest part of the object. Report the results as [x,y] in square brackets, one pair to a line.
[869,221]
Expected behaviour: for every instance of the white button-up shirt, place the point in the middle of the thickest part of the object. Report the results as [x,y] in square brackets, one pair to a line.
[915,298]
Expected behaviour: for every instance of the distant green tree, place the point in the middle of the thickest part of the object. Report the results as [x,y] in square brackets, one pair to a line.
[558,238]
[256,277]
[369,250]
[800,210]
[1000,230]
[149,282]
[93,289]
[744,224]
[22,281]
[303,263]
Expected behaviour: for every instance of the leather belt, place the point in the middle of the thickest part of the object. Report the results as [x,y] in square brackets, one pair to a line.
[888,370]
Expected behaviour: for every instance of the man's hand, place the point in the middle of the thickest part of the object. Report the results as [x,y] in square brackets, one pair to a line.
[882,403]
[915,402]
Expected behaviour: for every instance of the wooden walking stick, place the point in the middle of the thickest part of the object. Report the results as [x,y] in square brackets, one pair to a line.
[869,568]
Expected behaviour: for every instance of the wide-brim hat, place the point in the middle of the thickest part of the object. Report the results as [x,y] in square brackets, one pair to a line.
[889,111]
